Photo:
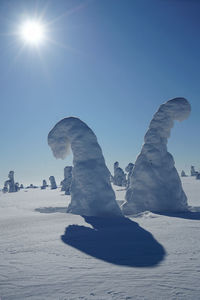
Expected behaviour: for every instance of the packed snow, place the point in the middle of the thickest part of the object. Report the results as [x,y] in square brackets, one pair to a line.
[47,253]
[154,182]
[91,191]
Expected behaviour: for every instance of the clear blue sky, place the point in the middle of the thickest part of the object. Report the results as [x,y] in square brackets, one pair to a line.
[111,63]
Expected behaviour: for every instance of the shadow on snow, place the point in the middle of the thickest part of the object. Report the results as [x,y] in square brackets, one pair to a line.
[50,210]
[118,241]
[192,214]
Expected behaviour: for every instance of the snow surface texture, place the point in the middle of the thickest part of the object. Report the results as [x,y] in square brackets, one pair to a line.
[155,184]
[67,181]
[36,264]
[91,191]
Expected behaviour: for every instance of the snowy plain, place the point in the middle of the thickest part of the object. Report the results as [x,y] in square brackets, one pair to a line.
[46,253]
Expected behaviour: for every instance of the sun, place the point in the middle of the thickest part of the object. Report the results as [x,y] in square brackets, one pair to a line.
[32,32]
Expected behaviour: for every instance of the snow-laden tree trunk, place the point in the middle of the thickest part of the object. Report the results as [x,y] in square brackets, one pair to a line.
[155,184]
[91,191]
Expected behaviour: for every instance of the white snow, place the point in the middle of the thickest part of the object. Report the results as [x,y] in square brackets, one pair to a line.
[154,183]
[91,191]
[38,261]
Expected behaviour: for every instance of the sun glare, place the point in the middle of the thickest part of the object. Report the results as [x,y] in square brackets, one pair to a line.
[32,32]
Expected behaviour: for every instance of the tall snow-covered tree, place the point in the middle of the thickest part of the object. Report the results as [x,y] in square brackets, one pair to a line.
[91,191]
[155,184]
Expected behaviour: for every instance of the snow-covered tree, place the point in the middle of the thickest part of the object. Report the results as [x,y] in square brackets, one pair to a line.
[192,171]
[5,188]
[44,184]
[155,184]
[17,188]
[66,183]
[11,182]
[198,176]
[183,174]
[53,182]
[119,177]
[129,170]
[91,191]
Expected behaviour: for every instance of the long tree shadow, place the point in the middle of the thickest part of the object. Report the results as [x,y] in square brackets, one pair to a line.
[192,214]
[118,241]
[50,210]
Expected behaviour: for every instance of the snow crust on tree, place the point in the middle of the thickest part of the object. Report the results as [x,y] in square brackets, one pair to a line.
[53,182]
[91,191]
[155,184]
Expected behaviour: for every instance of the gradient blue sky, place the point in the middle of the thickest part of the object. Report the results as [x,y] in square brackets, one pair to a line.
[111,63]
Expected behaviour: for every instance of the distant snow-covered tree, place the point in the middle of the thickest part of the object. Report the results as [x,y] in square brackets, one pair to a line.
[183,174]
[119,177]
[11,182]
[155,184]
[66,183]
[5,188]
[198,176]
[44,184]
[17,188]
[129,170]
[193,172]
[91,191]
[53,182]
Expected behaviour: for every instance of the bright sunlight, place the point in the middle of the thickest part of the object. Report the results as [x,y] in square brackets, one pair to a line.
[32,32]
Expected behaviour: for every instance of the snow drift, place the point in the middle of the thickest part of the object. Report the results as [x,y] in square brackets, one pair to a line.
[155,184]
[91,191]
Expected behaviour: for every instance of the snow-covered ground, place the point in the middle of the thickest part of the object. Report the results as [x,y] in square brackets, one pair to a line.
[148,256]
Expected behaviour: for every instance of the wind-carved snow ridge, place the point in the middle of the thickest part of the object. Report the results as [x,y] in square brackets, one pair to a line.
[155,184]
[91,191]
